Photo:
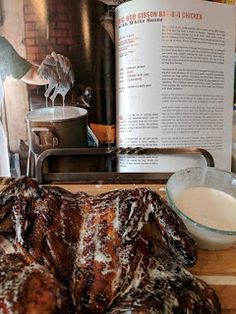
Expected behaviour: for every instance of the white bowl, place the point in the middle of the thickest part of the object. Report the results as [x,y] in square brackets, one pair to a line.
[207,237]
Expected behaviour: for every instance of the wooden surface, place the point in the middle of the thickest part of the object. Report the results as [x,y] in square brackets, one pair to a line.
[217,268]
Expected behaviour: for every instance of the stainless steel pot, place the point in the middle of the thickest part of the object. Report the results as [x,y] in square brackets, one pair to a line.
[57,127]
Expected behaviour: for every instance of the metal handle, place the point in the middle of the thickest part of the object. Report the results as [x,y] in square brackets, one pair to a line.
[38,130]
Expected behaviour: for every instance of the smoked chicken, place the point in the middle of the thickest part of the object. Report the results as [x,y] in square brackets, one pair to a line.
[27,287]
[123,251]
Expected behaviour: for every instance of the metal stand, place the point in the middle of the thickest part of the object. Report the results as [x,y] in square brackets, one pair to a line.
[109,176]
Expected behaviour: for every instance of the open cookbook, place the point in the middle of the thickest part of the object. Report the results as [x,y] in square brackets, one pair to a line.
[150,74]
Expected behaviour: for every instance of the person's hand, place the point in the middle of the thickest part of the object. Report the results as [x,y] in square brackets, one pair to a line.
[64,67]
[57,70]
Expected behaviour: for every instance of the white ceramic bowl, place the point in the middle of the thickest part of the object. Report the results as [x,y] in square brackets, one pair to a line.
[206,237]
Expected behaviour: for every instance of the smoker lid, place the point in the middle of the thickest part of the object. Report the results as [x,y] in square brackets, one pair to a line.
[57,113]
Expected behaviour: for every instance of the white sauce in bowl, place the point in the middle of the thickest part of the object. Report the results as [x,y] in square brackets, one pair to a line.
[210,207]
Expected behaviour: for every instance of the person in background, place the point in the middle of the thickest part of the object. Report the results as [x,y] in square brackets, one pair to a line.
[55,70]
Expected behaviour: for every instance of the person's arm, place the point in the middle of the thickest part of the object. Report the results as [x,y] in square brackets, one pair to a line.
[56,63]
[32,77]
[54,71]
[21,69]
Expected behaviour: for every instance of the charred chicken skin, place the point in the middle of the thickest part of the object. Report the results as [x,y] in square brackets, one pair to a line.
[123,251]
[27,287]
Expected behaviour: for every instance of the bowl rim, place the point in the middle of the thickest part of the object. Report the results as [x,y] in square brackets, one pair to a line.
[198,224]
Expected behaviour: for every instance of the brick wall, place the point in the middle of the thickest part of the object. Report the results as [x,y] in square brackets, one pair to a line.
[48,27]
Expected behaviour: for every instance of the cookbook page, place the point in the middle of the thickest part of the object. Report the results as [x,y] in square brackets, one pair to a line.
[174,74]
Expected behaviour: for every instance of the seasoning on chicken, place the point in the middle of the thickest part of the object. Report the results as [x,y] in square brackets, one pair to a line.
[27,287]
[123,251]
